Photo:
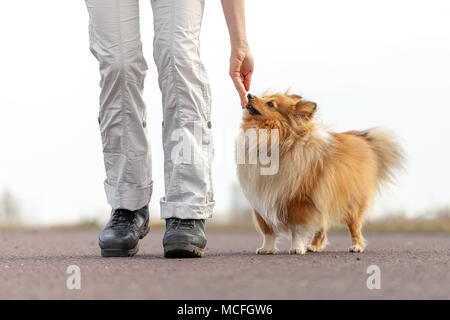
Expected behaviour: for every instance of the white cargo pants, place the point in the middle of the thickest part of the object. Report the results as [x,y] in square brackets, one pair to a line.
[188,150]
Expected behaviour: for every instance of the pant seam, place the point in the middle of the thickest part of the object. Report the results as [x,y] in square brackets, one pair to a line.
[123,99]
[173,75]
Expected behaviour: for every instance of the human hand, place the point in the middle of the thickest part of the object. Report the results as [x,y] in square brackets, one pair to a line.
[241,71]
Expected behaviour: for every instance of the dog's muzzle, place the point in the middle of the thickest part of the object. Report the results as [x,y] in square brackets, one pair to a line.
[252,110]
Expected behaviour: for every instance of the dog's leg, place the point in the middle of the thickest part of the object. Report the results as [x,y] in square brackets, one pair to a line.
[354,226]
[269,245]
[299,239]
[319,241]
[270,238]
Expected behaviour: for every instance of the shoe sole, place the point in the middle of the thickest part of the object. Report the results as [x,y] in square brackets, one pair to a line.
[182,250]
[124,253]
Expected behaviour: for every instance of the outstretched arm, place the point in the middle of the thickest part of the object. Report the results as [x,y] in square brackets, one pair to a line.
[241,60]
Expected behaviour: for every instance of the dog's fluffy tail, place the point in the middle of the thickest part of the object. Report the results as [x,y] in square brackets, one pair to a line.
[390,154]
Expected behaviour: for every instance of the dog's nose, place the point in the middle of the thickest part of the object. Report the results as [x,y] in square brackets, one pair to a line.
[249,96]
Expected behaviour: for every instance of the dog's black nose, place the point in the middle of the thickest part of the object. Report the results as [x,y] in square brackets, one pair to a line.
[249,96]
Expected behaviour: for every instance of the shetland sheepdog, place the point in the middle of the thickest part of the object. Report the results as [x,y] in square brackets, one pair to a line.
[322,176]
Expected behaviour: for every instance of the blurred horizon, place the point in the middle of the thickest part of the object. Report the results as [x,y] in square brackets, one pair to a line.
[366,64]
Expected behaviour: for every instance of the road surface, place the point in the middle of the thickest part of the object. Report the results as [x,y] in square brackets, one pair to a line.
[33,265]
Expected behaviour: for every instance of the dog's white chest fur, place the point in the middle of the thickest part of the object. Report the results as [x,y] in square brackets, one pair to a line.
[256,190]
[269,194]
[264,192]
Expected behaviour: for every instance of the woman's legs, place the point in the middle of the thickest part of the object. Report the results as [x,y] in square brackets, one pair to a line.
[115,42]
[187,140]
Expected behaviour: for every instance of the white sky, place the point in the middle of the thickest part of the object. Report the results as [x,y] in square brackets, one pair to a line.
[366,63]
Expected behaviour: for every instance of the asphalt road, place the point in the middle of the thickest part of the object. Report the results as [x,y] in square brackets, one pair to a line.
[33,265]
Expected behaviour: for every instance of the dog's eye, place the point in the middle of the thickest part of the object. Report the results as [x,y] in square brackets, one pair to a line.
[270,104]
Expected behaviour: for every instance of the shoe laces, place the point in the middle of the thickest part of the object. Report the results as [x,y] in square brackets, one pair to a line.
[186,224]
[121,217]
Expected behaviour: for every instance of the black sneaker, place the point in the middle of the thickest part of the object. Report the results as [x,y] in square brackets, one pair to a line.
[184,238]
[121,234]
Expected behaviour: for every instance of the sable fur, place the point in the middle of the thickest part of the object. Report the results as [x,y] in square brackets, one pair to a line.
[323,176]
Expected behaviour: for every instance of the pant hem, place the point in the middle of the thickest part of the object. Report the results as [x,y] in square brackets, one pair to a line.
[183,210]
[128,196]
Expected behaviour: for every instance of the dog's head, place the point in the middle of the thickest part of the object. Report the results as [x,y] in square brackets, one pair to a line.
[284,109]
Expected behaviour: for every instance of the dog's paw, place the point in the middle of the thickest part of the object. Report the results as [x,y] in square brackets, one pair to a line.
[356,248]
[300,250]
[312,248]
[266,251]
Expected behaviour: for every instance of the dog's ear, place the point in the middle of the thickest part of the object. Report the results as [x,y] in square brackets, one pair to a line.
[295,96]
[305,109]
